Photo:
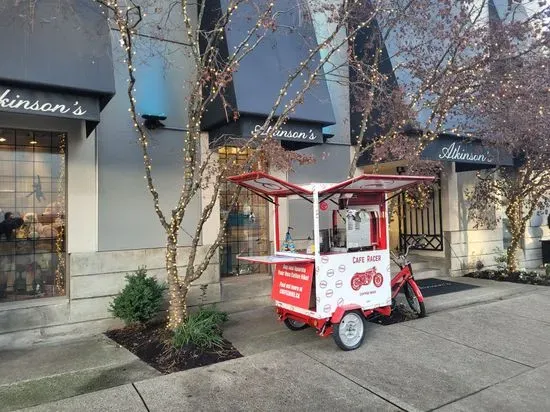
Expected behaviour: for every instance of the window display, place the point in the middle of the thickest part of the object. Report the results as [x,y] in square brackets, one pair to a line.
[32,214]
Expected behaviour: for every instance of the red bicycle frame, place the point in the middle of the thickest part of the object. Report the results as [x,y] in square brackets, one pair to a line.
[405,275]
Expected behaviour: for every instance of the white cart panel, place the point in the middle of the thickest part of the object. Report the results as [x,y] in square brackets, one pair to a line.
[336,285]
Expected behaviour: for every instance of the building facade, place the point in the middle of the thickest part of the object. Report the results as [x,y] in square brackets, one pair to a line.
[77,215]
[446,234]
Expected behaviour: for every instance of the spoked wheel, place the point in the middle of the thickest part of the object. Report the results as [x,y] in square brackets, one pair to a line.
[350,332]
[293,324]
[416,306]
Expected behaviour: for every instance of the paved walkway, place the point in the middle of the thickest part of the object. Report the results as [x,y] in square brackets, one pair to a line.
[490,351]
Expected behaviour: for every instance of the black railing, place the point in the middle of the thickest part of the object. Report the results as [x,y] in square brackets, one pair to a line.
[421,228]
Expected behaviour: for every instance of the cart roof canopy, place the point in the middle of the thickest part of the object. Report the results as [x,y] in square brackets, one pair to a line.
[265,184]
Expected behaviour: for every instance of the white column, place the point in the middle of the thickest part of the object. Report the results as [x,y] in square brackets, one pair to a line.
[82,223]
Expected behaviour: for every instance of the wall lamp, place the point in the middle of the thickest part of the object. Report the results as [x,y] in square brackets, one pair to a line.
[153,121]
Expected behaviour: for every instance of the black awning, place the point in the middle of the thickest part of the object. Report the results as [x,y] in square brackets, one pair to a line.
[55,54]
[261,74]
[467,153]
[293,135]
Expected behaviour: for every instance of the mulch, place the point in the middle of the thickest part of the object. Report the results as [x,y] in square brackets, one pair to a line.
[151,343]
[532,278]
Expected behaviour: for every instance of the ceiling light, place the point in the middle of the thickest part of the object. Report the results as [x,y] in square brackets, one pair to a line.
[33,142]
[2,139]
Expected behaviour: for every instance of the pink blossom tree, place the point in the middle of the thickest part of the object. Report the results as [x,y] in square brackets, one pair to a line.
[513,115]
[440,53]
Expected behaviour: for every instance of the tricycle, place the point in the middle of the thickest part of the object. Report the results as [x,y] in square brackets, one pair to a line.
[343,277]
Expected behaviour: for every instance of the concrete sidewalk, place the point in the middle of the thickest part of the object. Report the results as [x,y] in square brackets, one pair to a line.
[48,373]
[491,351]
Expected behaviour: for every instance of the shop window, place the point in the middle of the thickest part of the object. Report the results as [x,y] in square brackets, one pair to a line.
[32,214]
[247,228]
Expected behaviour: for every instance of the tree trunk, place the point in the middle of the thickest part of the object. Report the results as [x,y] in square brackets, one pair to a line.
[511,261]
[517,229]
[177,309]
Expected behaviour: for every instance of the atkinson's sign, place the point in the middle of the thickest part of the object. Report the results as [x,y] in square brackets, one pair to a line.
[455,152]
[459,150]
[285,132]
[28,101]
[293,135]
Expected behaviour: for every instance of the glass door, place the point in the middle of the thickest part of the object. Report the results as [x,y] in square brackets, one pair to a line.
[247,228]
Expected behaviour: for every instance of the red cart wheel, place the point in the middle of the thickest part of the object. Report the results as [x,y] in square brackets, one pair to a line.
[295,324]
[350,332]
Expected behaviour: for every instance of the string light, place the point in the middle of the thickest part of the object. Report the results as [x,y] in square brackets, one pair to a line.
[60,236]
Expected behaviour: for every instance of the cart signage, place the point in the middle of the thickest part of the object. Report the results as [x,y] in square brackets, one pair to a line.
[361,278]
[292,284]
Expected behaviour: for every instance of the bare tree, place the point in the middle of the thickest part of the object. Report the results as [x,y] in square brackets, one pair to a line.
[211,76]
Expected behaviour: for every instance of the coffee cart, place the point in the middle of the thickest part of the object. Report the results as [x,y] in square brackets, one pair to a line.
[343,277]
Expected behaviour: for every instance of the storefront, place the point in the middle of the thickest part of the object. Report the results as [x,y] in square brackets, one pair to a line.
[50,103]
[34,144]
[248,226]
[445,234]
[451,242]
[72,171]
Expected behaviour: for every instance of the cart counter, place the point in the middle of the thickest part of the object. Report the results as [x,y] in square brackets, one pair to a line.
[276,259]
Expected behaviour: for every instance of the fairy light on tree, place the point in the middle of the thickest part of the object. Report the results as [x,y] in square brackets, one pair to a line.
[517,122]
[212,74]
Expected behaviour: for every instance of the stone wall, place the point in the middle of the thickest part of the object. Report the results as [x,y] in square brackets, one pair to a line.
[530,257]
[464,248]
[95,278]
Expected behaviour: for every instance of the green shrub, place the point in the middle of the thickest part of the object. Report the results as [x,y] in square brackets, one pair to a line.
[213,314]
[501,258]
[140,300]
[202,329]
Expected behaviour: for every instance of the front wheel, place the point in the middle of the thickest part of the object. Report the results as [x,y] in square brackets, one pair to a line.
[293,324]
[416,306]
[350,332]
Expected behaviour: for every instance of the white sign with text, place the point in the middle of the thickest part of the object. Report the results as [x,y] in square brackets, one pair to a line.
[361,278]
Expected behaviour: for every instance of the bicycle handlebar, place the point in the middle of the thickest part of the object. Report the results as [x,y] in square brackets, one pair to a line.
[403,257]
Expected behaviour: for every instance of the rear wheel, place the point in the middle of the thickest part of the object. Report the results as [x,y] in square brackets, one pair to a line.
[416,306]
[350,332]
[293,324]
